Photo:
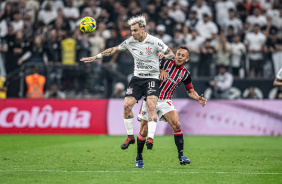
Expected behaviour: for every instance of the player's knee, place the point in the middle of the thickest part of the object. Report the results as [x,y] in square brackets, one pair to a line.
[126,107]
[151,107]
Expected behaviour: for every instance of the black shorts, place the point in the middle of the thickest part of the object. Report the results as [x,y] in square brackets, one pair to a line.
[139,87]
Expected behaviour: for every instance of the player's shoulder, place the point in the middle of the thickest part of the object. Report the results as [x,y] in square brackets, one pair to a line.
[153,38]
[186,70]
[129,41]
[166,60]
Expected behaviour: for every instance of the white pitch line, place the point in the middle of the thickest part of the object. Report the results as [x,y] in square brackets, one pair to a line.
[140,170]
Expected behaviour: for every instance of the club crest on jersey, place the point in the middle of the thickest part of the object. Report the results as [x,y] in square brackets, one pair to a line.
[129,91]
[148,51]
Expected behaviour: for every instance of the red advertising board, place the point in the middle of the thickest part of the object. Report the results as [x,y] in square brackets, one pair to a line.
[22,116]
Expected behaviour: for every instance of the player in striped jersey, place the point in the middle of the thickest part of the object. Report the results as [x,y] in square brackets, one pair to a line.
[165,109]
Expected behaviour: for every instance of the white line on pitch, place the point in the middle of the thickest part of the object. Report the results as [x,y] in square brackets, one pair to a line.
[188,172]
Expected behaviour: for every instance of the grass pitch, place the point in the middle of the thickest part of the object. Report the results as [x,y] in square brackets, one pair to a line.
[99,159]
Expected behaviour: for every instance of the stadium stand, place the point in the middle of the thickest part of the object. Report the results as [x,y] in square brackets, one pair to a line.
[245,36]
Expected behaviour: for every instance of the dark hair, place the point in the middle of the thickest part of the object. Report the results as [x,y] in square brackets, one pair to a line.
[208,40]
[184,47]
[222,66]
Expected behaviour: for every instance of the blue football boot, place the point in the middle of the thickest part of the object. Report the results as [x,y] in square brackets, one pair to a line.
[184,160]
[139,164]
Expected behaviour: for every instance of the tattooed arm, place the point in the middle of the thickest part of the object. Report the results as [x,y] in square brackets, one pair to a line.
[106,53]
[110,51]
[167,55]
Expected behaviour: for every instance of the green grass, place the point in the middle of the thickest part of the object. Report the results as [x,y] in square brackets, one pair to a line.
[99,159]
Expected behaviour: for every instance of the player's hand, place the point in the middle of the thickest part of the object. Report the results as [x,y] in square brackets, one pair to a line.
[88,59]
[163,75]
[161,55]
[202,100]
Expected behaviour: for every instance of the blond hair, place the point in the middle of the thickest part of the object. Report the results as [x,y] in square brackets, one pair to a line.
[138,19]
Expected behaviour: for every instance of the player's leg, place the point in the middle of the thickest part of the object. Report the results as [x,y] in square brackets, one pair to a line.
[152,87]
[152,119]
[173,120]
[133,94]
[129,102]
[141,138]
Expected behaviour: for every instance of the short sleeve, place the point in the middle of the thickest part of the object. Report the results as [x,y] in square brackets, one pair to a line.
[123,45]
[188,83]
[279,75]
[161,47]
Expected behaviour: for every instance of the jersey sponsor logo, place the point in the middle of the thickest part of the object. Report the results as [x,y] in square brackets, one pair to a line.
[129,91]
[148,51]
[151,43]
[45,117]
[173,81]
[141,53]
[161,45]
[146,61]
[151,91]
[144,74]
[134,49]
[140,65]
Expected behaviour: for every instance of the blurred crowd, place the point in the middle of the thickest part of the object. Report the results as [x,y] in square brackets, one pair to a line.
[243,35]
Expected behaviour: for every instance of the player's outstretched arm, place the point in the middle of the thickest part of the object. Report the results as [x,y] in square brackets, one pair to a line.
[194,95]
[167,55]
[106,53]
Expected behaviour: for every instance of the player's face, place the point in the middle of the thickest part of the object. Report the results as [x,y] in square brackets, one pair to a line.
[137,32]
[181,57]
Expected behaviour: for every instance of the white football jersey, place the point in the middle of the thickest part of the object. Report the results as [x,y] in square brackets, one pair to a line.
[146,61]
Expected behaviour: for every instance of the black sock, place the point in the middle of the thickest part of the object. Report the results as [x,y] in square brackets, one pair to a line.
[140,146]
[179,142]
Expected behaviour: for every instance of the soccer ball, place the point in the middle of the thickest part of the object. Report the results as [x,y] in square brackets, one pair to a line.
[87,25]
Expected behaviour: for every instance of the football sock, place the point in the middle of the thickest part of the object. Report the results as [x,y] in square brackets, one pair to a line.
[129,126]
[140,145]
[179,142]
[151,129]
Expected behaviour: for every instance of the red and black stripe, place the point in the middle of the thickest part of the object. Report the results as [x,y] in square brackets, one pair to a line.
[168,87]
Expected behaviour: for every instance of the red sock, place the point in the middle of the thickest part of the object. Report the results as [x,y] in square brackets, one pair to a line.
[177,133]
[140,137]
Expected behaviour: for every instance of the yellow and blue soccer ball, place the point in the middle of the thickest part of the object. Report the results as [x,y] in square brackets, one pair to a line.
[87,25]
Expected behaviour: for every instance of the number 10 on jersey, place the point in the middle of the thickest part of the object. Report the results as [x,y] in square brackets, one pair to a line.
[151,84]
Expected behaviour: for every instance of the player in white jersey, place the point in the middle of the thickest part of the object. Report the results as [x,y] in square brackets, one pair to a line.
[146,50]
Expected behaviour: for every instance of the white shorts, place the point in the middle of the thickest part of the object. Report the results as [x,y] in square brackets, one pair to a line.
[163,107]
